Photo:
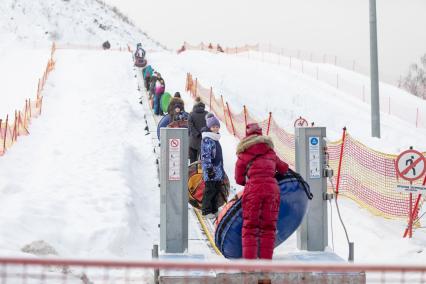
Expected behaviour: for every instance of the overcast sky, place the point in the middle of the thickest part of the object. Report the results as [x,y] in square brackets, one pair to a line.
[339,27]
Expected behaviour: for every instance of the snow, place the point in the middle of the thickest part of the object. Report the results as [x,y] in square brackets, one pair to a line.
[13,86]
[265,87]
[88,22]
[84,182]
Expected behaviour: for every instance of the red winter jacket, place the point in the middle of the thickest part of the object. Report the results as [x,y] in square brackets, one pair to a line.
[256,153]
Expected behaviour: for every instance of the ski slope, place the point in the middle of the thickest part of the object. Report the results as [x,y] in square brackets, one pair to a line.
[84,180]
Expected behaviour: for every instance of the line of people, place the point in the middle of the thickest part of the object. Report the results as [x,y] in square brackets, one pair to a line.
[255,169]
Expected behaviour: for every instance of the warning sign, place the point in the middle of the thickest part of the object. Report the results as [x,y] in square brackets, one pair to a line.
[301,122]
[174,159]
[314,157]
[174,143]
[410,165]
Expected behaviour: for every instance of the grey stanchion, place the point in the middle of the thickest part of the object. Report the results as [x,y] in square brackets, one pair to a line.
[156,270]
[351,252]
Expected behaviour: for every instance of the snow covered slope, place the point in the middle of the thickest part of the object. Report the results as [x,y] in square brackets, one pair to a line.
[67,21]
[84,180]
[265,87]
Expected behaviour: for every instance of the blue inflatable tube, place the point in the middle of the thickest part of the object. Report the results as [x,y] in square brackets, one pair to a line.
[165,120]
[295,194]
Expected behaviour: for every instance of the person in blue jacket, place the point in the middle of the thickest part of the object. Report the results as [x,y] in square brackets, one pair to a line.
[212,165]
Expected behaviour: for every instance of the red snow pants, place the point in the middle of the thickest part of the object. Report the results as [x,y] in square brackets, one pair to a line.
[261,201]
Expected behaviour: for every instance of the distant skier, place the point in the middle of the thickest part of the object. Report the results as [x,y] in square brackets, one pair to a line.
[212,165]
[196,122]
[255,169]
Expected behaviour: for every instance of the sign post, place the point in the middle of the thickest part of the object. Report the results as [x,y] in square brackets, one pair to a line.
[173,190]
[312,235]
[411,166]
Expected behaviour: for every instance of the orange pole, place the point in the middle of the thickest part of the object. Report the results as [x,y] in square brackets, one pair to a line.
[14,129]
[410,217]
[41,103]
[19,120]
[245,115]
[26,110]
[1,136]
[210,99]
[340,160]
[38,88]
[224,112]
[269,123]
[230,117]
[414,213]
[196,86]
[5,134]
[29,107]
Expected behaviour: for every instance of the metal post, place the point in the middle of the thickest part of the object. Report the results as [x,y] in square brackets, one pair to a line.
[156,270]
[312,235]
[173,190]
[351,252]
[375,102]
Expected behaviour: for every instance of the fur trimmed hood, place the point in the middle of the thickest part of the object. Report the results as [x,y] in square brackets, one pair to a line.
[251,140]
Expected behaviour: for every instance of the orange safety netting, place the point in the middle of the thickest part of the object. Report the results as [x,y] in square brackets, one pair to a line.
[366,176]
[9,132]
[216,48]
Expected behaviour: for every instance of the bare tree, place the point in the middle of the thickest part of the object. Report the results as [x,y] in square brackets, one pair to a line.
[415,81]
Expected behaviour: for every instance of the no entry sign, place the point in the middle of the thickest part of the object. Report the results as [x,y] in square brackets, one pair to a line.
[410,165]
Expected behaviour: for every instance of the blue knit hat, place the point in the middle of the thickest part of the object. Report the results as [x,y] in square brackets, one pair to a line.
[211,120]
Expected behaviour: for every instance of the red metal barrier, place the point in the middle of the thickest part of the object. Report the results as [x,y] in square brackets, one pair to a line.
[32,270]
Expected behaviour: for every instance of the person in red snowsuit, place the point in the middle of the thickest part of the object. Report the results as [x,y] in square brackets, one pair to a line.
[255,169]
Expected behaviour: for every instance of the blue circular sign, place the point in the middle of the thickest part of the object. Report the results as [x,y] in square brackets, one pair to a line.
[314,141]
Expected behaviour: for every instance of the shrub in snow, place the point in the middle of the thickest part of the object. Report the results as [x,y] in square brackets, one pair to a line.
[415,81]
[39,248]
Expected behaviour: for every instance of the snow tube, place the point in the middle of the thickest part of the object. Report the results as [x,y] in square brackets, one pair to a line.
[140,62]
[164,121]
[196,187]
[295,194]
[165,101]
[178,124]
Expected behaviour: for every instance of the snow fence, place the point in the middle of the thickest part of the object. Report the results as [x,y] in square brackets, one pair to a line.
[336,72]
[9,132]
[362,174]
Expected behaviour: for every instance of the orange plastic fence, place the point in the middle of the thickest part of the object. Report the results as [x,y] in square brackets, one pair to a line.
[9,132]
[306,63]
[366,176]
[216,48]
